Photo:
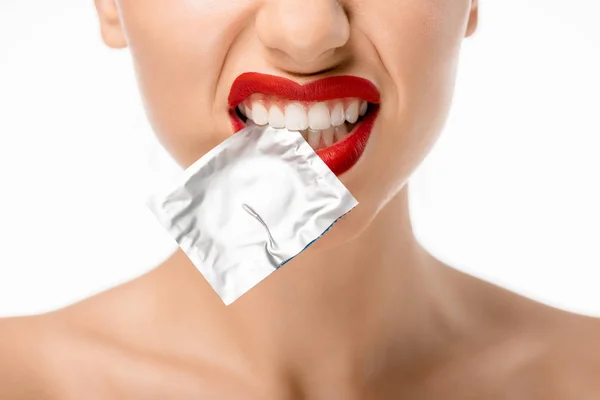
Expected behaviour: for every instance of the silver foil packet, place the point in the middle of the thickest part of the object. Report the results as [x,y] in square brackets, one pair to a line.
[250,205]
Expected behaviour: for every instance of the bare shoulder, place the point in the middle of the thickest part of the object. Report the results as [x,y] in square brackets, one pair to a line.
[535,351]
[64,355]
[45,357]
[573,359]
[58,354]
[96,363]
[126,342]
[567,365]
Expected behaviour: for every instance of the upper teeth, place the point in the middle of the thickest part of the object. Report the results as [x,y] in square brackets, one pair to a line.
[296,116]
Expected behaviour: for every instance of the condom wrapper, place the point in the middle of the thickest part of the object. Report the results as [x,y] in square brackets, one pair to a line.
[250,205]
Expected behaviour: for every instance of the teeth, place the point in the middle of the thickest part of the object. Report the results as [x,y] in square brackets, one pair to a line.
[276,117]
[314,138]
[318,117]
[321,124]
[260,115]
[246,110]
[242,109]
[363,108]
[337,114]
[327,135]
[296,118]
[352,112]
[341,132]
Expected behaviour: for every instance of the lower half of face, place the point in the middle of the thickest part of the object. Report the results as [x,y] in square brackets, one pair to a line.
[324,67]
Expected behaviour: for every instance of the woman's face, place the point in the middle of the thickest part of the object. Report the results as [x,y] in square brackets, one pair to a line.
[189,53]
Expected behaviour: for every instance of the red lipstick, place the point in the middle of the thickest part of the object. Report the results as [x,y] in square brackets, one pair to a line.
[340,156]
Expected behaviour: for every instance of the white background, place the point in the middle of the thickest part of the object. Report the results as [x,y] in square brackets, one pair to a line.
[511,192]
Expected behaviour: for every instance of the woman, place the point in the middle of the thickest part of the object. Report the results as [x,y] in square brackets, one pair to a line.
[366,312]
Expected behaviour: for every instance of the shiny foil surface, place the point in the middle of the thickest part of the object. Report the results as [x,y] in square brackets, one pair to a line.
[250,205]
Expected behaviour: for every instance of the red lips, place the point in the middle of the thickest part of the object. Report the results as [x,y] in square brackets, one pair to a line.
[342,155]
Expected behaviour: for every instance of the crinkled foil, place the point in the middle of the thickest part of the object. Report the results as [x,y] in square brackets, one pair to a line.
[250,205]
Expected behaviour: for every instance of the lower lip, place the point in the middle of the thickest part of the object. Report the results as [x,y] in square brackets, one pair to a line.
[342,155]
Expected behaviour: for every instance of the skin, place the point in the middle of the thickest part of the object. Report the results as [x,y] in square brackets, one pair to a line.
[366,312]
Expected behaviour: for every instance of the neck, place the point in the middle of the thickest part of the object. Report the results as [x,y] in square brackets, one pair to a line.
[362,305]
[352,314]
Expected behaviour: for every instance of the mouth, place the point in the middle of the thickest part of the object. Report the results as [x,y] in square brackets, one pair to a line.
[335,115]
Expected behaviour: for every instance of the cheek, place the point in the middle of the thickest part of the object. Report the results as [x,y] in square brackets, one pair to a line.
[420,50]
[419,55]
[178,49]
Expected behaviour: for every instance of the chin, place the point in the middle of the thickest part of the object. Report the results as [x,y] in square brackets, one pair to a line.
[347,229]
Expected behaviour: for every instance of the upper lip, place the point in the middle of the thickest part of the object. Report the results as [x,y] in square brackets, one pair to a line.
[329,88]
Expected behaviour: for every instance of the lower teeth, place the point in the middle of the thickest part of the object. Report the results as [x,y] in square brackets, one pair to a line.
[319,139]
[340,133]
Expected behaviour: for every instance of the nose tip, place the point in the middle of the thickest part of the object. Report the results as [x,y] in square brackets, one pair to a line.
[303,31]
